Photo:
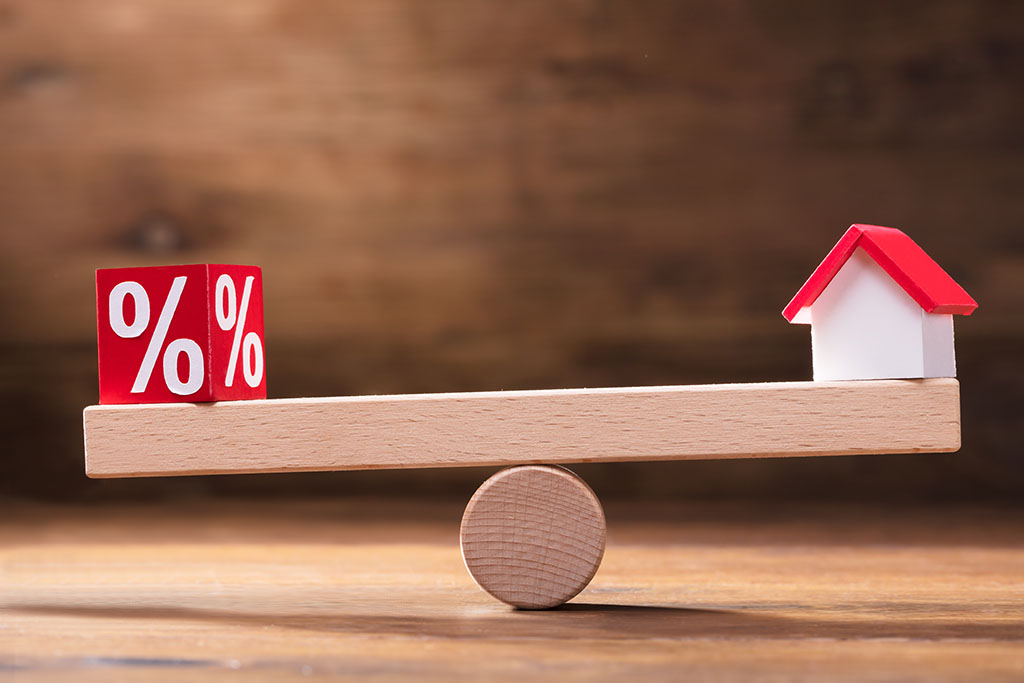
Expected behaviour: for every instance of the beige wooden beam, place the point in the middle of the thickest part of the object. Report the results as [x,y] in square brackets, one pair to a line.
[521,427]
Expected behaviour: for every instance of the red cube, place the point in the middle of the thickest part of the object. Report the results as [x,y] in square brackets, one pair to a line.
[180,333]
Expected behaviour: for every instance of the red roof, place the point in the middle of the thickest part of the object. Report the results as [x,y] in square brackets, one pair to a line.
[898,255]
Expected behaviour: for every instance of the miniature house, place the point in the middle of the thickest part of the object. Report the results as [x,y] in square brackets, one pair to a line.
[880,308]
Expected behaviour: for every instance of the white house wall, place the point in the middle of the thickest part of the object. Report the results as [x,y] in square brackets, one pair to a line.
[939,355]
[864,326]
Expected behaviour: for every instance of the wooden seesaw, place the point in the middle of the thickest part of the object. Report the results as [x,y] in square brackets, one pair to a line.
[533,535]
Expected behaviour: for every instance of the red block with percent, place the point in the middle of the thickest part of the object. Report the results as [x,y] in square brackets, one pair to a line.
[180,333]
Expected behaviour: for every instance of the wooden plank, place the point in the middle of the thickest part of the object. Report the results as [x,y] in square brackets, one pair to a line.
[520,427]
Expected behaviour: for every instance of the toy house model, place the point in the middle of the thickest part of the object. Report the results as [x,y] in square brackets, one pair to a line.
[880,308]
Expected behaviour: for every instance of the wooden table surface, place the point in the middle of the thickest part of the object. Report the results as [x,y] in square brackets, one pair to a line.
[366,590]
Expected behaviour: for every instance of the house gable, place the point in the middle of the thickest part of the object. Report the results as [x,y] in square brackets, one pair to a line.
[865,326]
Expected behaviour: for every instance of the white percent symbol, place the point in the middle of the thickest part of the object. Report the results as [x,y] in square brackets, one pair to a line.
[174,349]
[232,315]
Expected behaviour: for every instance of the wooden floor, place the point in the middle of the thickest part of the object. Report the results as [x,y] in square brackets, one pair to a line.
[357,590]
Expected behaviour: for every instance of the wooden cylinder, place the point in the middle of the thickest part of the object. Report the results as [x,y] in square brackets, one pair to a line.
[533,536]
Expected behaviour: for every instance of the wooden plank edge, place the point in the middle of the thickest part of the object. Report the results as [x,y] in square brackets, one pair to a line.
[946,389]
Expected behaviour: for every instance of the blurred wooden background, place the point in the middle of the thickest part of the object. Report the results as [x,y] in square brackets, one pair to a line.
[463,194]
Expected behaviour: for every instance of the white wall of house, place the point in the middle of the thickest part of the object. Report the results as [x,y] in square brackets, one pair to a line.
[865,326]
[939,354]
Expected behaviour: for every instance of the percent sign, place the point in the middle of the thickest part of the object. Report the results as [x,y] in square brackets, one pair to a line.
[228,315]
[231,315]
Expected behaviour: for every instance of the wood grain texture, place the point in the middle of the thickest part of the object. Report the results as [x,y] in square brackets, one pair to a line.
[363,590]
[521,427]
[533,536]
[468,195]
